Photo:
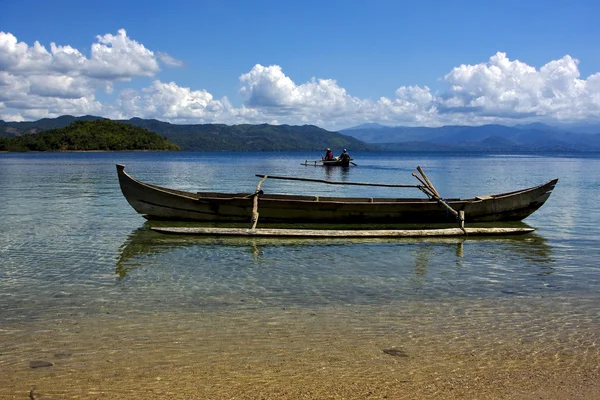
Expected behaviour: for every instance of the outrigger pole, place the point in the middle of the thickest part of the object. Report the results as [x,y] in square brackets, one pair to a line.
[460,215]
[336,183]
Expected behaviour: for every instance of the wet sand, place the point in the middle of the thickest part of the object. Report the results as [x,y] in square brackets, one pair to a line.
[456,350]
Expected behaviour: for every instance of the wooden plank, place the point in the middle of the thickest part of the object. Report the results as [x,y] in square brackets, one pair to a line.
[446,232]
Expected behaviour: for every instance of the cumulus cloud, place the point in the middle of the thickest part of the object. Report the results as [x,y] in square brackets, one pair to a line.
[318,101]
[270,87]
[40,82]
[61,86]
[324,102]
[171,102]
[62,80]
[505,88]
[113,57]
[119,57]
[499,90]
[19,57]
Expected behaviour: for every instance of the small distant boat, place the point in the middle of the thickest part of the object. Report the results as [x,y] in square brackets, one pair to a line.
[336,162]
[156,202]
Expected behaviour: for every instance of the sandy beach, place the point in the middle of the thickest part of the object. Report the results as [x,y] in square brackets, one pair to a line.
[333,353]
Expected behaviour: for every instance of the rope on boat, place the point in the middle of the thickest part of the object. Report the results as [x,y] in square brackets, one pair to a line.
[255,203]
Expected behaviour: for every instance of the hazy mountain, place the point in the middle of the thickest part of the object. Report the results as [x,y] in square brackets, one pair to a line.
[370,125]
[529,137]
[580,128]
[538,126]
[214,137]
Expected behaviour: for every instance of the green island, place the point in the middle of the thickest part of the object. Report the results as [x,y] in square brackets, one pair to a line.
[96,135]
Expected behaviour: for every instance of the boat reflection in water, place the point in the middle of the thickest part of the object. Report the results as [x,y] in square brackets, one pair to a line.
[143,244]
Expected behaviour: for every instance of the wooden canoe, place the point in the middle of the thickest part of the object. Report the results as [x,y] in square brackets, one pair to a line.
[334,233]
[155,202]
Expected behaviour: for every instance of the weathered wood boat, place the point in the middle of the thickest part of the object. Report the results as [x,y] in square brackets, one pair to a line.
[156,202]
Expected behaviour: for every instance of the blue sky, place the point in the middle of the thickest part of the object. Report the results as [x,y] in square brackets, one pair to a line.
[334,64]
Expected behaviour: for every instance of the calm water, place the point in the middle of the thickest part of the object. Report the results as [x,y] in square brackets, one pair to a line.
[72,248]
[69,240]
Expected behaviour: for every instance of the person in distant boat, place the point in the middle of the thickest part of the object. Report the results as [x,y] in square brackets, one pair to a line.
[328,155]
[345,156]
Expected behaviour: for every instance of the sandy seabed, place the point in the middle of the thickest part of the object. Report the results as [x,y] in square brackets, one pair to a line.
[450,351]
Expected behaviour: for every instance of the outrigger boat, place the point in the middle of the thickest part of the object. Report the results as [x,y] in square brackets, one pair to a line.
[336,162]
[156,202]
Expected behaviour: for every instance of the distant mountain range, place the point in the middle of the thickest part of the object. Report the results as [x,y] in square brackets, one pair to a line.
[534,137]
[214,137]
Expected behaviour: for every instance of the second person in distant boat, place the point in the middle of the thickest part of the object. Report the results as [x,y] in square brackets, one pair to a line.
[328,155]
[345,156]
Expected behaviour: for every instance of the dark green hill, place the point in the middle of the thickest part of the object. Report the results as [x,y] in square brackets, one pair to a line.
[99,134]
[11,129]
[246,137]
[216,137]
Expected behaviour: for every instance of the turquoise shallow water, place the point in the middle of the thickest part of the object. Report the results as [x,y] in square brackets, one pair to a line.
[70,241]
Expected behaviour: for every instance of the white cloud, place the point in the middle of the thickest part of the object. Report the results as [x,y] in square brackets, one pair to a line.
[64,81]
[18,57]
[44,96]
[173,103]
[59,86]
[500,90]
[503,88]
[32,108]
[64,60]
[113,57]
[319,102]
[168,60]
[119,57]
[323,102]
[270,87]
[36,82]
[415,94]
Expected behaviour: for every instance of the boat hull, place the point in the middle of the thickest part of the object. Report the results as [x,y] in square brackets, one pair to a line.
[156,202]
[336,163]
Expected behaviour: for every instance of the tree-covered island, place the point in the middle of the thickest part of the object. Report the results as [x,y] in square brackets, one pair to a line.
[96,135]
